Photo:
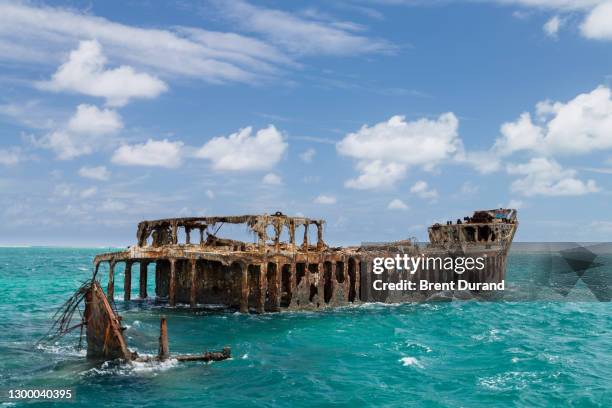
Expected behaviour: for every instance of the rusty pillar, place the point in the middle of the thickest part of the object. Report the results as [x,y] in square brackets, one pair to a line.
[172,285]
[174,232]
[244,286]
[293,278]
[334,282]
[321,282]
[110,290]
[261,300]
[127,282]
[187,235]
[143,279]
[201,236]
[358,279]
[305,243]
[276,291]
[192,293]
[319,235]
[292,232]
[347,280]
[164,348]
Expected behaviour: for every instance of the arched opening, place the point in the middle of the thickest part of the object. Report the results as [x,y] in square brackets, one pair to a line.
[286,286]
[340,272]
[352,272]
[271,287]
[484,233]
[181,236]
[300,272]
[470,234]
[327,286]
[313,291]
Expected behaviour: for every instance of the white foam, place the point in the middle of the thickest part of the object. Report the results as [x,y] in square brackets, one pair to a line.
[134,368]
[410,361]
[61,350]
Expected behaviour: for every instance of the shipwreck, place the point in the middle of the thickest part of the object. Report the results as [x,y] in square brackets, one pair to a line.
[274,273]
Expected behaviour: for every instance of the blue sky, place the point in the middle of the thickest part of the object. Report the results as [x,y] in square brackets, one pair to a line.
[381,117]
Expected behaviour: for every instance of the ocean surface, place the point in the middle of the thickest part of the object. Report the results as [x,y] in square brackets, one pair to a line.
[547,352]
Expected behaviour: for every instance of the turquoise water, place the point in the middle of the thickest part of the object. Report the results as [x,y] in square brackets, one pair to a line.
[540,353]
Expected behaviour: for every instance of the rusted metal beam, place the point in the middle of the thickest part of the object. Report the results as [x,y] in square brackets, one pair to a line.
[143,279]
[110,290]
[127,282]
[193,288]
[244,288]
[164,348]
[172,284]
[261,284]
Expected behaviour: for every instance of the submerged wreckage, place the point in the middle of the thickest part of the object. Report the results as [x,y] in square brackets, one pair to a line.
[275,272]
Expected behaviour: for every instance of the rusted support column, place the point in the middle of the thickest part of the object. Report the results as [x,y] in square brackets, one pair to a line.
[347,280]
[276,292]
[358,279]
[172,285]
[261,284]
[293,278]
[321,282]
[334,282]
[319,235]
[174,232]
[127,282]
[193,292]
[110,290]
[164,348]
[201,236]
[143,279]
[187,235]
[244,286]
[305,243]
[292,232]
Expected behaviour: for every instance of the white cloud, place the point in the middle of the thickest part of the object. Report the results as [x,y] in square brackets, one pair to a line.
[307,155]
[272,179]
[244,151]
[161,153]
[397,204]
[515,204]
[210,194]
[325,199]
[89,119]
[546,177]
[469,188]
[88,192]
[85,73]
[96,173]
[483,161]
[41,35]
[579,126]
[598,23]
[422,190]
[87,130]
[306,34]
[376,175]
[390,148]
[10,156]
[552,26]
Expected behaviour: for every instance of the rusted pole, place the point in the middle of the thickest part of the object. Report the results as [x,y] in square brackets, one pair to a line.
[305,242]
[127,282]
[187,235]
[244,286]
[261,300]
[192,293]
[334,281]
[321,282]
[143,279]
[292,232]
[319,235]
[172,286]
[275,293]
[164,349]
[110,290]
[293,278]
[174,232]
[347,280]
[358,279]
